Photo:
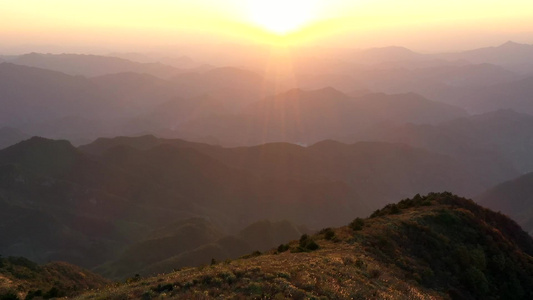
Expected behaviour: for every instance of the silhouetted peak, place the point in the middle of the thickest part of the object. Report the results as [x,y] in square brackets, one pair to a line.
[101,145]
[32,54]
[38,141]
[511,44]
[279,146]
[506,112]
[409,96]
[15,70]
[327,145]
[52,157]
[331,91]
[503,114]
[128,76]
[230,71]
[327,93]
[391,49]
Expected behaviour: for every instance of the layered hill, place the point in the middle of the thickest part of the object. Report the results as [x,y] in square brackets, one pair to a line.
[93,65]
[502,137]
[510,54]
[10,136]
[361,164]
[306,117]
[439,246]
[514,198]
[90,205]
[56,105]
[60,204]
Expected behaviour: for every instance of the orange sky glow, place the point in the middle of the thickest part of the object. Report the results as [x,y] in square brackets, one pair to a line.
[421,25]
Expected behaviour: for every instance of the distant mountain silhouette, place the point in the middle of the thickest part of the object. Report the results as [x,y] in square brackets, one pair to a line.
[309,116]
[386,54]
[56,105]
[33,94]
[501,137]
[514,198]
[514,95]
[10,136]
[509,54]
[87,205]
[326,160]
[67,206]
[93,65]
[445,83]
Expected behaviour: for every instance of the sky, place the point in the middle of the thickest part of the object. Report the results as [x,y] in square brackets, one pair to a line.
[423,25]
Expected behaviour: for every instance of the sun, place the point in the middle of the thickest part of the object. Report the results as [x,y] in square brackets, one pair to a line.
[281,16]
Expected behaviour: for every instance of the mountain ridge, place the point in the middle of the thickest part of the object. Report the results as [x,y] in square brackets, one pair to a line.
[440,246]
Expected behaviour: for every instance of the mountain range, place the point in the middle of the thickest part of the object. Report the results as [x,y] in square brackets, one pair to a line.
[132,165]
[514,198]
[88,205]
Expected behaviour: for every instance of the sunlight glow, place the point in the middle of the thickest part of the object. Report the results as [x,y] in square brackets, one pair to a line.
[282,16]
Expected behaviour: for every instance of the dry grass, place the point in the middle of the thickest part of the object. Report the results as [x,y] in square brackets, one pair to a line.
[340,269]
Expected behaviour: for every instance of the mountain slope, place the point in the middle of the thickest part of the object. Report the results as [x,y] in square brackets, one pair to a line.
[307,117]
[22,278]
[372,168]
[514,95]
[10,136]
[57,203]
[56,105]
[88,208]
[195,242]
[513,197]
[497,138]
[92,65]
[509,54]
[435,247]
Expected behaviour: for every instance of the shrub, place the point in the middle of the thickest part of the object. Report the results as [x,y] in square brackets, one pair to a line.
[251,255]
[283,248]
[360,264]
[374,273]
[52,293]
[307,244]
[312,245]
[9,296]
[33,294]
[357,224]
[163,288]
[394,209]
[133,279]
[329,234]
[476,281]
[303,240]
[376,213]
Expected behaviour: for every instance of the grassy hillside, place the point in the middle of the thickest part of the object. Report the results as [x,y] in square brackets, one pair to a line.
[21,278]
[439,246]
[195,242]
